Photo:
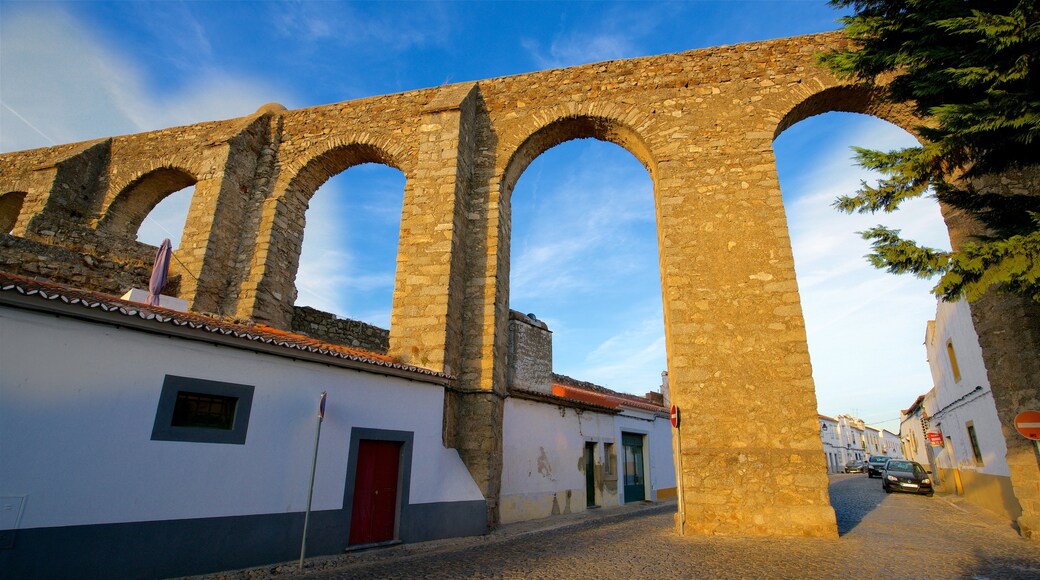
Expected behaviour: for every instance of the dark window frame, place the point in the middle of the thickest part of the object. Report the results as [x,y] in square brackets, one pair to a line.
[973,439]
[163,429]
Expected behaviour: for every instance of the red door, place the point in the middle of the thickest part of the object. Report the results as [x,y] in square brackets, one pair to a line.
[375,492]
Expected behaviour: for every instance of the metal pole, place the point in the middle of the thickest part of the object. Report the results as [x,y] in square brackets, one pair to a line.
[679,482]
[314,465]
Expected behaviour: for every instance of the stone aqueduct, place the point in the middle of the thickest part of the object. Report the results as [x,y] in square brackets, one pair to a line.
[702,122]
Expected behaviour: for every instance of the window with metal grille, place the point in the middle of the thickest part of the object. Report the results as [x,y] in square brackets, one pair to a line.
[205,411]
[202,411]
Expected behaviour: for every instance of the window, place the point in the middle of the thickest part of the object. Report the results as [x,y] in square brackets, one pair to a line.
[202,411]
[953,361]
[609,459]
[974,443]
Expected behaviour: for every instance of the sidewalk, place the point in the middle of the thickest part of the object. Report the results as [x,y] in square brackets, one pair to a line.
[322,565]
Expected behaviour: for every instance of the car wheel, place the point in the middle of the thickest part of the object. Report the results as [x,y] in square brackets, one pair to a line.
[930,494]
[887,489]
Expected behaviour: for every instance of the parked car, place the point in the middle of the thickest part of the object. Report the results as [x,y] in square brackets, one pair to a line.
[908,476]
[854,467]
[876,465]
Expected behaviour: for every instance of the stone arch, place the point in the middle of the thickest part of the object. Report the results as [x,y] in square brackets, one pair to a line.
[134,202]
[575,126]
[277,257]
[10,207]
[849,99]
[305,180]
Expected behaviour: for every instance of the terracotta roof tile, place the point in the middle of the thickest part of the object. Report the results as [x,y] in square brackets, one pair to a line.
[245,331]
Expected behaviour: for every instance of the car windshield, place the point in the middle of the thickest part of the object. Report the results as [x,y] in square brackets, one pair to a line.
[900,466]
[878,459]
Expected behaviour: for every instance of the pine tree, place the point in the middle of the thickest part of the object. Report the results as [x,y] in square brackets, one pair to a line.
[970,67]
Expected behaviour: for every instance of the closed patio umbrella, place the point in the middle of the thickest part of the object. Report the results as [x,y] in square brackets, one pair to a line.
[159,272]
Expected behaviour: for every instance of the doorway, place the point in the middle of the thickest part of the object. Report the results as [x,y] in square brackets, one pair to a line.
[374,509]
[590,475]
[635,486]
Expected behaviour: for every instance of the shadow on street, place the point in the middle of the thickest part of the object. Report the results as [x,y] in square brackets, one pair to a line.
[850,502]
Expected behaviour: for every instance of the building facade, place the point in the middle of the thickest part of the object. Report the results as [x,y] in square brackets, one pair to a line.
[183,443]
[954,428]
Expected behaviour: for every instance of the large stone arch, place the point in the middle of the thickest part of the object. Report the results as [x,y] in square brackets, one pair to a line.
[1007,326]
[134,201]
[270,291]
[567,127]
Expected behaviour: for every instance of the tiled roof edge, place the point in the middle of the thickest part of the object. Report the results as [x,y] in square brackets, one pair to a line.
[91,300]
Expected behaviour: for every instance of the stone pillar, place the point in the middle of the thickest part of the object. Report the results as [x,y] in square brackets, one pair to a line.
[218,212]
[738,361]
[435,277]
[65,195]
[426,320]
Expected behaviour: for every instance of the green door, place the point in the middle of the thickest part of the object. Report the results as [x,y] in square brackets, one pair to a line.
[635,488]
[590,474]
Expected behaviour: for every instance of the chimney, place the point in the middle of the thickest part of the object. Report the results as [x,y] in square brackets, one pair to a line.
[530,354]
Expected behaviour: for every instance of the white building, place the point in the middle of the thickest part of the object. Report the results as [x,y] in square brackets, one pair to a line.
[183,444]
[852,439]
[832,447]
[624,442]
[969,454]
[890,445]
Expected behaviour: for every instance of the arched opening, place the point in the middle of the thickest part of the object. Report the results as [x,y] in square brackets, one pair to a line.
[140,200]
[10,206]
[348,260]
[864,326]
[167,219]
[348,255]
[584,256]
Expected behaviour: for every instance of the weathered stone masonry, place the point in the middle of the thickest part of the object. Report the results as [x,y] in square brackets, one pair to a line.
[701,122]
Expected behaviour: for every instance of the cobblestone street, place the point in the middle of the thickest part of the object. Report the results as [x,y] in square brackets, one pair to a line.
[901,536]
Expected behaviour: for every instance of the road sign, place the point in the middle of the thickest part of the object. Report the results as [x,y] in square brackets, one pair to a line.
[675,416]
[935,439]
[1028,424]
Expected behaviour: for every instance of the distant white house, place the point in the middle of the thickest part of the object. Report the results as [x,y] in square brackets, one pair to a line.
[832,448]
[852,439]
[954,428]
[848,440]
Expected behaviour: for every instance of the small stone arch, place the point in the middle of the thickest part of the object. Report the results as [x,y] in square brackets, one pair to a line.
[10,207]
[277,257]
[575,126]
[305,178]
[135,201]
[849,99]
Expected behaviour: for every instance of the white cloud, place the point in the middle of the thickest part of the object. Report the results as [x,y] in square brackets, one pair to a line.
[72,85]
[580,47]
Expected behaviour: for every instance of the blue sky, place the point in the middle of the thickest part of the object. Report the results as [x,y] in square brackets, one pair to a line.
[584,248]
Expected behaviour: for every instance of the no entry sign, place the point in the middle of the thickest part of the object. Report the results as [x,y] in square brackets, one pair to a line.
[1028,424]
[675,416]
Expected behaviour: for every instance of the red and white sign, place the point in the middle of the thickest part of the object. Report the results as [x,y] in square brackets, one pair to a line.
[1028,424]
[935,439]
[675,416]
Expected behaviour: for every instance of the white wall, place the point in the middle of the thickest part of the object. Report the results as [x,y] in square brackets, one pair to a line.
[78,403]
[543,454]
[544,450]
[959,401]
[659,462]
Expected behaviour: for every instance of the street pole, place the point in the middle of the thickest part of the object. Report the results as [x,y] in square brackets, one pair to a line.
[314,465]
